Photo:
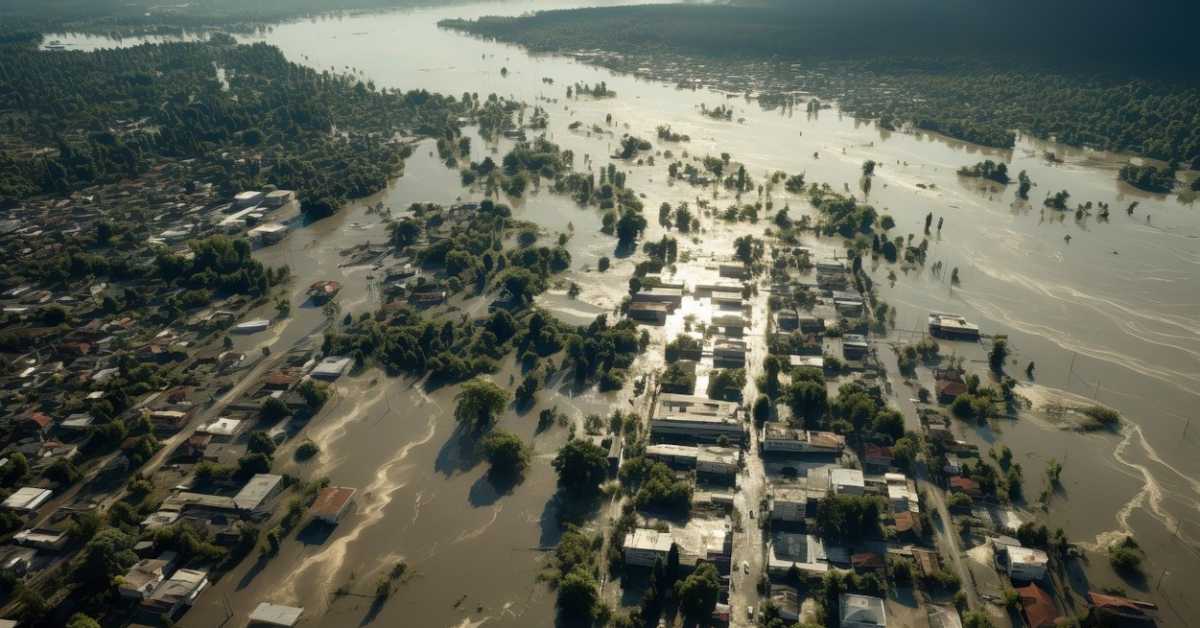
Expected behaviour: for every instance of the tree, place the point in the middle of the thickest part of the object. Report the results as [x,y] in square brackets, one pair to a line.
[581,467]
[998,354]
[79,620]
[578,595]
[762,409]
[698,593]
[505,452]
[868,167]
[1024,184]
[105,557]
[274,409]
[807,400]
[976,619]
[479,401]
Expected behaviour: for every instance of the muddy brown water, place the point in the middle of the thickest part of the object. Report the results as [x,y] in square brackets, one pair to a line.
[1114,314]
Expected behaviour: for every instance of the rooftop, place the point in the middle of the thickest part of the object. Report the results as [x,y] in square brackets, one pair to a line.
[331,501]
[862,610]
[276,614]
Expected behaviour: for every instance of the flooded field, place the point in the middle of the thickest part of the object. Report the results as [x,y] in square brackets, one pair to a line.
[1110,314]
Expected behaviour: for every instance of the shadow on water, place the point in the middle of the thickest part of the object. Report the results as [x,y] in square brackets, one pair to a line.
[458,454]
[492,486]
[254,570]
[373,611]
[315,533]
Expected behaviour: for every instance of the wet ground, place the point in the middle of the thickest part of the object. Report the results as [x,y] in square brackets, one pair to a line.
[1114,314]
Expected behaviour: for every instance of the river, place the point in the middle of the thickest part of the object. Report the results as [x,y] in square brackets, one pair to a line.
[1112,314]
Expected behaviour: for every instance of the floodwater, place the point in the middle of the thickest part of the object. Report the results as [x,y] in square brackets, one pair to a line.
[1113,315]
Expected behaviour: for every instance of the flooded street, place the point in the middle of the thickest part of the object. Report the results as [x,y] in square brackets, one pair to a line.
[1113,315]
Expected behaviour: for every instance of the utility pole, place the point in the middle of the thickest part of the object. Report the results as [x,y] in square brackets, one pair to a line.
[1070,371]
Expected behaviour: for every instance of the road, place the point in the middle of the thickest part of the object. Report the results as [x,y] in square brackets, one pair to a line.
[946,536]
[748,546]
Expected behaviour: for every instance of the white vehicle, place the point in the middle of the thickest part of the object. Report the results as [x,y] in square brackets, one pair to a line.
[749,612]
[745,567]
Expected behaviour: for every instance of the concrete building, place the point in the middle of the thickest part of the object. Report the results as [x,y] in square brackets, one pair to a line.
[278,198]
[269,233]
[902,493]
[1026,564]
[672,297]
[645,312]
[855,346]
[247,199]
[790,503]
[258,490]
[697,428]
[145,576]
[267,614]
[643,546]
[27,499]
[331,368]
[847,481]
[779,438]
[730,352]
[181,589]
[331,503]
[42,538]
[709,459]
[862,611]
[952,326]
[707,540]
[805,552]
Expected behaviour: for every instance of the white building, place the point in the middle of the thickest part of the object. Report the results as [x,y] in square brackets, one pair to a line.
[258,490]
[331,368]
[862,611]
[717,460]
[902,493]
[145,576]
[789,503]
[247,199]
[847,481]
[182,589]
[805,552]
[278,198]
[27,499]
[267,614]
[778,438]
[1026,563]
[269,233]
[643,546]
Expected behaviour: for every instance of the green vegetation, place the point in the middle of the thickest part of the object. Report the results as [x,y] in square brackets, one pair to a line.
[683,346]
[1125,556]
[581,467]
[479,401]
[1149,178]
[307,450]
[1101,417]
[574,575]
[727,384]
[272,106]
[849,518]
[987,169]
[939,67]
[506,452]
[698,594]
[655,486]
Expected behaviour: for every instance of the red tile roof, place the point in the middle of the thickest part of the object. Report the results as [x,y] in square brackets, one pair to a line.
[331,501]
[1038,607]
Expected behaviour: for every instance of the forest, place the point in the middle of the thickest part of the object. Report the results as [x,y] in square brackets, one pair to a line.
[72,119]
[942,67]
